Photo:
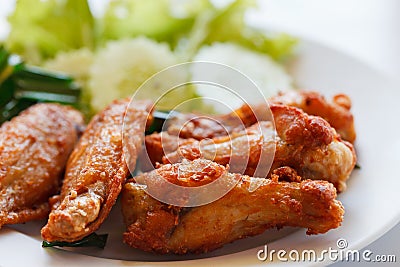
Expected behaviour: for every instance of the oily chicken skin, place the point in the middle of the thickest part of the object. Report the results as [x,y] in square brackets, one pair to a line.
[337,112]
[159,144]
[200,127]
[161,228]
[34,149]
[306,143]
[95,172]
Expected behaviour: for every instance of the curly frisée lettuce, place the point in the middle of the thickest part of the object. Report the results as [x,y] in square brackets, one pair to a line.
[41,29]
[121,67]
[76,63]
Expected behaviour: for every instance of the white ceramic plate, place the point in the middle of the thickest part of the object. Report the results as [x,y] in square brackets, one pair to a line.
[371,201]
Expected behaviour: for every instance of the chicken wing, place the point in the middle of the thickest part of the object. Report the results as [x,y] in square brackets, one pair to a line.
[34,149]
[306,143]
[95,172]
[337,113]
[162,228]
[202,127]
[159,144]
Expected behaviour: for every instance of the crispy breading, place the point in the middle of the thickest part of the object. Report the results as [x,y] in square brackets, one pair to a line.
[162,228]
[34,149]
[337,112]
[96,171]
[304,142]
[200,127]
[159,144]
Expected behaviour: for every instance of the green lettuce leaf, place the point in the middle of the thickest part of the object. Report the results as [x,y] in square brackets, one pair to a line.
[227,24]
[40,29]
[161,20]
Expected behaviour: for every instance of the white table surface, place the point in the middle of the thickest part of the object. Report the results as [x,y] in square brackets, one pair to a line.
[366,29]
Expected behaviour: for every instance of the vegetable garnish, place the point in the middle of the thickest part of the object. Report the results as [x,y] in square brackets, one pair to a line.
[41,29]
[111,54]
[228,24]
[159,119]
[22,85]
[92,240]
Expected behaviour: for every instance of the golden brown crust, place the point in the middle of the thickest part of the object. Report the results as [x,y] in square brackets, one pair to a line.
[161,228]
[312,147]
[159,144]
[298,128]
[336,112]
[191,174]
[201,127]
[306,143]
[34,149]
[95,172]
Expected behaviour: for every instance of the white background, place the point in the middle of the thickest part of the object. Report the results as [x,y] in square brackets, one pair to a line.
[366,29]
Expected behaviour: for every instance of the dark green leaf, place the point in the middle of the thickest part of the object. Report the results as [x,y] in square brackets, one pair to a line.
[159,118]
[13,108]
[3,59]
[36,73]
[92,240]
[22,86]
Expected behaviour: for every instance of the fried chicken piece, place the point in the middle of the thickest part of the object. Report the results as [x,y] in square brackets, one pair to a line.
[96,171]
[304,142]
[161,228]
[201,127]
[337,113]
[34,149]
[159,144]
